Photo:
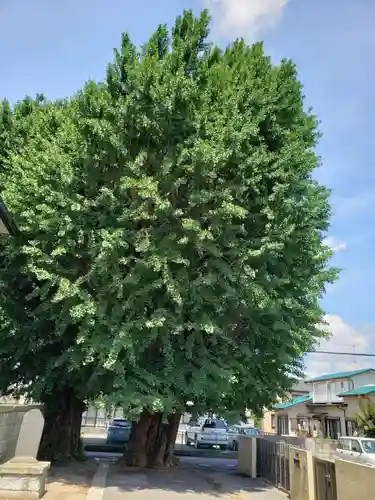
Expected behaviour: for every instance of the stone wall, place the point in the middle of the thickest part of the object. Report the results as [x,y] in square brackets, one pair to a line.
[21,475]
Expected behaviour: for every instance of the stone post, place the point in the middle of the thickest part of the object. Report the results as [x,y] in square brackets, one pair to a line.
[23,476]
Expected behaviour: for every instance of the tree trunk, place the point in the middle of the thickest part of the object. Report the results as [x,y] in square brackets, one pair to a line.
[61,439]
[152,441]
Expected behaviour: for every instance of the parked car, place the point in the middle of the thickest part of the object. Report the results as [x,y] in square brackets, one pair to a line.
[357,449]
[238,430]
[118,431]
[192,429]
[211,433]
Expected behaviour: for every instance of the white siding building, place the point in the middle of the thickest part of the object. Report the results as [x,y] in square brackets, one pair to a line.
[326,409]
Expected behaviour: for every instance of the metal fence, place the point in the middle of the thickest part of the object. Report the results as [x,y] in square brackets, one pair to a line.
[94,417]
[273,463]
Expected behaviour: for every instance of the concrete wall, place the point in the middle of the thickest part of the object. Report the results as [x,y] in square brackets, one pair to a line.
[10,424]
[247,455]
[301,474]
[354,481]
[299,442]
[318,446]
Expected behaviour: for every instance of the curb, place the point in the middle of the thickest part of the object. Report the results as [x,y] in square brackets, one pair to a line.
[98,484]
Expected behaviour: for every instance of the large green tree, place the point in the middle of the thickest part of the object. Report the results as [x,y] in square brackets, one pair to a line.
[172,237]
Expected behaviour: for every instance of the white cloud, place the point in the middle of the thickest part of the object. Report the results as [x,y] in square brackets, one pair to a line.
[344,338]
[245,18]
[335,245]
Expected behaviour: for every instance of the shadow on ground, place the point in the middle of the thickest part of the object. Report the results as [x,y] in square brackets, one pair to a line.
[185,480]
[70,481]
[194,478]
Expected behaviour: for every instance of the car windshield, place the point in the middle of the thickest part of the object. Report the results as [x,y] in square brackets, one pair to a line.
[119,422]
[214,424]
[368,446]
[250,432]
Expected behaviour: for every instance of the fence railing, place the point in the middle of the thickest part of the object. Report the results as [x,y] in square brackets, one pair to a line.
[273,462]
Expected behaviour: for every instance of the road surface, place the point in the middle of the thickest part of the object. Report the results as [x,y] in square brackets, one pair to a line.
[195,479]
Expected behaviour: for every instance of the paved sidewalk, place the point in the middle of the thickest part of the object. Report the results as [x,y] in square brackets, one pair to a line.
[70,482]
[104,479]
[185,483]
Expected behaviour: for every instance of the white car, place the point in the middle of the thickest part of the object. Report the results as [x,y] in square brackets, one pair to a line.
[192,429]
[210,433]
[241,430]
[356,449]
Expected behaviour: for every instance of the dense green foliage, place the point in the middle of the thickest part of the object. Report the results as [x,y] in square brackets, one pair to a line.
[365,420]
[171,232]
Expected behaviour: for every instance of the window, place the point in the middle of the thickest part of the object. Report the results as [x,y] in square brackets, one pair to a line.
[368,446]
[273,420]
[120,422]
[251,432]
[332,428]
[282,425]
[356,447]
[344,444]
[351,428]
[214,424]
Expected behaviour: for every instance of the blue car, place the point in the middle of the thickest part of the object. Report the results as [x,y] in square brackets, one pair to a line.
[118,431]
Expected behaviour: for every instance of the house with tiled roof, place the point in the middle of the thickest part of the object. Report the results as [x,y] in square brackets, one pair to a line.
[329,407]
[354,398]
[269,421]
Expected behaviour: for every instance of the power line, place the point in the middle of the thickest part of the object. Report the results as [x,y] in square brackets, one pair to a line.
[363,354]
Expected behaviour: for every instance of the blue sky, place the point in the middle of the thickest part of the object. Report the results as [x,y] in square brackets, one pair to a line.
[55,46]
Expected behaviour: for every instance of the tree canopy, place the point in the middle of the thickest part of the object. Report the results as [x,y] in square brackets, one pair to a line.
[171,231]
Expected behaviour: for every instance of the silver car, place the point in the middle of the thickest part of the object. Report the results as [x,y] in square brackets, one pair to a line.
[240,430]
[356,449]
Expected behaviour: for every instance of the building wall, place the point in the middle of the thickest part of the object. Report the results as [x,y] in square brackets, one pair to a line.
[328,390]
[364,379]
[268,423]
[353,403]
[302,411]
